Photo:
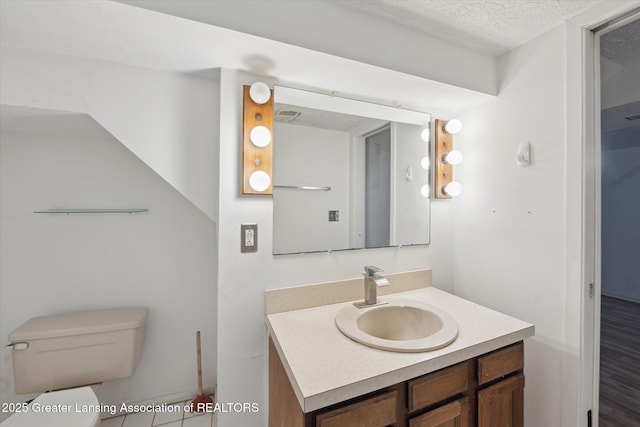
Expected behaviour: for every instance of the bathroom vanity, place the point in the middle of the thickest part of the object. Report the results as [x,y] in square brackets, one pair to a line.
[320,377]
[483,391]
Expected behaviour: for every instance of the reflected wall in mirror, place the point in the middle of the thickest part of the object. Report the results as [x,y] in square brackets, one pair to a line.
[348,174]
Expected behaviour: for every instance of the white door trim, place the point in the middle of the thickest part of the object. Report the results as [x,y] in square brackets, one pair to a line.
[582,340]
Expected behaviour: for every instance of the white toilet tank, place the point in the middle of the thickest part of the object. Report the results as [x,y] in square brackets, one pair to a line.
[75,349]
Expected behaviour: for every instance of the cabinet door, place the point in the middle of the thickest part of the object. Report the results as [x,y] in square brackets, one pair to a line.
[501,405]
[454,414]
[378,411]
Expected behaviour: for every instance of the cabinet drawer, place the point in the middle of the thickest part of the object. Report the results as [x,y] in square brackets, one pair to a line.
[378,411]
[440,385]
[456,414]
[500,363]
[502,404]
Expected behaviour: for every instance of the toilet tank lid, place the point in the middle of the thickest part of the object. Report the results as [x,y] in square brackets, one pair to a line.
[80,323]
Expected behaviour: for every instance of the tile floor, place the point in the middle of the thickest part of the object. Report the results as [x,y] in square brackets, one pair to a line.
[164,419]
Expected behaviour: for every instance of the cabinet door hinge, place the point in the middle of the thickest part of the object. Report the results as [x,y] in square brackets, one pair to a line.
[591,290]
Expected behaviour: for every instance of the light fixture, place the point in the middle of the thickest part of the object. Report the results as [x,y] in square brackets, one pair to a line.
[445,159]
[452,189]
[425,135]
[425,162]
[259,181]
[260,136]
[257,135]
[260,93]
[453,126]
[425,190]
[453,157]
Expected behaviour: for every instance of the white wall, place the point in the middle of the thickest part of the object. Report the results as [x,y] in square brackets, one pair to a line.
[243,278]
[169,120]
[411,209]
[330,27]
[165,260]
[619,84]
[620,207]
[309,156]
[509,229]
[154,113]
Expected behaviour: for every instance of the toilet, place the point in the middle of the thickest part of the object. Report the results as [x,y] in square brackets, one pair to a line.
[64,354]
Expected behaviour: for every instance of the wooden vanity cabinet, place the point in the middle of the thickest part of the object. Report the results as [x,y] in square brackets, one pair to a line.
[378,411]
[454,414]
[502,403]
[486,391]
[501,396]
[430,398]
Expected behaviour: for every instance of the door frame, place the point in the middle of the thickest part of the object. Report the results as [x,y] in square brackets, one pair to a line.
[581,355]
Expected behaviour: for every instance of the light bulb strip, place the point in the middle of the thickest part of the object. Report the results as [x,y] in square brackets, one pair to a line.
[256,158]
[443,171]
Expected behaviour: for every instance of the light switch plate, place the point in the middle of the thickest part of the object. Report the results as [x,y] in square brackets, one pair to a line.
[248,238]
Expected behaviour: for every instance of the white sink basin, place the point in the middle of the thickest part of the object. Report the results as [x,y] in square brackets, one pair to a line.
[401,325]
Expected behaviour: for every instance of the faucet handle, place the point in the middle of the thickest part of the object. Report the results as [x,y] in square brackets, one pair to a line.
[370,270]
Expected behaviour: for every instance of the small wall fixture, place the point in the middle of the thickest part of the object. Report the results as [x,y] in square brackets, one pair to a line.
[257,131]
[524,154]
[446,158]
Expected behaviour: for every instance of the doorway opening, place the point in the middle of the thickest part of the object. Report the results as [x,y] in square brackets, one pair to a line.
[618,48]
[378,188]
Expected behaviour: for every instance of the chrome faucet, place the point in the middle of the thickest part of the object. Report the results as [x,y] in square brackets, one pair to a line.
[371,282]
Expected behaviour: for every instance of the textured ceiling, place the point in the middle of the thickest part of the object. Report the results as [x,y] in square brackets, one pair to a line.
[488,26]
[622,45]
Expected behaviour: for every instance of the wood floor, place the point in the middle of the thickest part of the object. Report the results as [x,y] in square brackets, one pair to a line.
[619,363]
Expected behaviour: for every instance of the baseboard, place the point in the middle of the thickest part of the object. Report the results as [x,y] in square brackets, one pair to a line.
[623,297]
[166,399]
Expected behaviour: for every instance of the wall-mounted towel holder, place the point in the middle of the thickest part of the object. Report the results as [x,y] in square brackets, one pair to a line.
[303,187]
[91,211]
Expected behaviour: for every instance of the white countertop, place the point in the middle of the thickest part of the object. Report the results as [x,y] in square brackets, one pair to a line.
[326,367]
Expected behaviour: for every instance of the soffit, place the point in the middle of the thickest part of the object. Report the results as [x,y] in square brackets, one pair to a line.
[121,34]
[488,26]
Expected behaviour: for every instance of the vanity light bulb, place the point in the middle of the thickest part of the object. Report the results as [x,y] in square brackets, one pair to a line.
[425,135]
[259,181]
[453,126]
[452,189]
[260,93]
[425,162]
[260,136]
[425,190]
[453,157]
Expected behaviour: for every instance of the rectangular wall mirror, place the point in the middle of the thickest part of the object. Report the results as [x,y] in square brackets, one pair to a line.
[348,174]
